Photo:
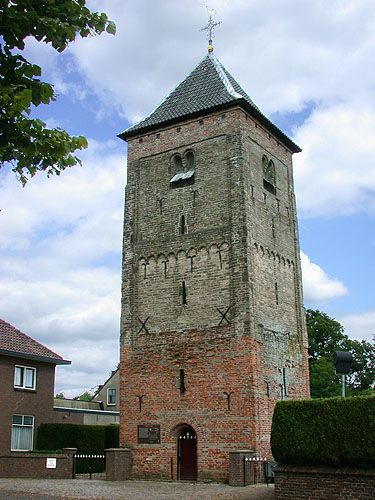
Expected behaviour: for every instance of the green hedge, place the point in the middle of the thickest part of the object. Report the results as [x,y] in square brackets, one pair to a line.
[111,438]
[88,439]
[332,431]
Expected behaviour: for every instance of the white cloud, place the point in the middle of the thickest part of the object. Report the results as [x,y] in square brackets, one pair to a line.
[317,285]
[61,238]
[288,55]
[359,325]
[60,269]
[335,173]
[285,53]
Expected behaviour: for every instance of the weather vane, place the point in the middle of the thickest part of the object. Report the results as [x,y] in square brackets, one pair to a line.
[210,27]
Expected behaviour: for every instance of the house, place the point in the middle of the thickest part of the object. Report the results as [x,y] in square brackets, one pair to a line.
[108,394]
[72,411]
[102,410]
[27,374]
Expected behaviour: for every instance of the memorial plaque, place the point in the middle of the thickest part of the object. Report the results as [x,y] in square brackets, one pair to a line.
[149,434]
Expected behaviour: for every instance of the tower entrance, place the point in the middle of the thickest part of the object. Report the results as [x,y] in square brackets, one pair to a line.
[186,453]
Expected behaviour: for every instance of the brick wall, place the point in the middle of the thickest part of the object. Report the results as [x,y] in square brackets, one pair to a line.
[28,465]
[316,483]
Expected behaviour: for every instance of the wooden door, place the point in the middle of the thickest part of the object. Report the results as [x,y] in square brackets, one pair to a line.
[187,455]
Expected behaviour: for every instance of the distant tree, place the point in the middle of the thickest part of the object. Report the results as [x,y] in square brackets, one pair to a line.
[60,395]
[26,143]
[84,396]
[326,335]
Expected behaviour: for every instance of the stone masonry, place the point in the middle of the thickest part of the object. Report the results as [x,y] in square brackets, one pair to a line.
[219,301]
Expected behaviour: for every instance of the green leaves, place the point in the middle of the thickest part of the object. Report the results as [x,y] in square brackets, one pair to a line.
[326,336]
[111,28]
[24,142]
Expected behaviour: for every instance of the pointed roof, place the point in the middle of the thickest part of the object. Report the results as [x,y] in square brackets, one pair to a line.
[15,343]
[209,87]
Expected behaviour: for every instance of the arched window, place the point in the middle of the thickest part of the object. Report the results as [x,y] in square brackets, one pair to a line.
[190,162]
[177,165]
[269,175]
[182,170]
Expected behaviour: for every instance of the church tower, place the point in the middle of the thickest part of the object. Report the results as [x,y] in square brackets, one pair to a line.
[213,329]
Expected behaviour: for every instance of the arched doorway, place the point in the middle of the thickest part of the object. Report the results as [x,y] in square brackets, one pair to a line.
[186,453]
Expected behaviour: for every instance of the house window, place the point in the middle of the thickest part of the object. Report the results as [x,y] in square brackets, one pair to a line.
[24,377]
[111,396]
[22,432]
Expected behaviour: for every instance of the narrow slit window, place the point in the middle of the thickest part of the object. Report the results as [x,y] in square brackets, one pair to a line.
[284,383]
[267,388]
[183,225]
[183,293]
[276,294]
[182,381]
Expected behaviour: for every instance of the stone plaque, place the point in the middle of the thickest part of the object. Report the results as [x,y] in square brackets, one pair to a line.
[149,434]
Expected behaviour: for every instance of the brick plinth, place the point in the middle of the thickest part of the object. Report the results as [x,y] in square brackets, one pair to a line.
[236,466]
[118,464]
[317,483]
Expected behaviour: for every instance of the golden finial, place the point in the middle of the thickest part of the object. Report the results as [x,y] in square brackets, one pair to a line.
[209,28]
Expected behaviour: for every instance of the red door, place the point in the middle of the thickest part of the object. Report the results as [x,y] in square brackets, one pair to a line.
[187,454]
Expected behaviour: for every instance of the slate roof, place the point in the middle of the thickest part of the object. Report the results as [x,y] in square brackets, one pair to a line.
[15,343]
[207,88]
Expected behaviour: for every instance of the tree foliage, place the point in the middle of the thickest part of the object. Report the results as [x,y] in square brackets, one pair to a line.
[326,336]
[84,396]
[26,143]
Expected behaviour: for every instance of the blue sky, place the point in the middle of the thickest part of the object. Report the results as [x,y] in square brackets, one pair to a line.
[307,65]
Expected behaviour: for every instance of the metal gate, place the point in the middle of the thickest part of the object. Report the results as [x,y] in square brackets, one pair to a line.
[257,470]
[88,464]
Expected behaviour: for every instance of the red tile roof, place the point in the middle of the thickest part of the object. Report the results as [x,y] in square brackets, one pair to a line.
[18,343]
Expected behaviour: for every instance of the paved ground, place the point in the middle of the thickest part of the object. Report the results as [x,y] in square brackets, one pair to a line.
[52,489]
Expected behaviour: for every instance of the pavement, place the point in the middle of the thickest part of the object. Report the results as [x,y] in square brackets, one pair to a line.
[52,489]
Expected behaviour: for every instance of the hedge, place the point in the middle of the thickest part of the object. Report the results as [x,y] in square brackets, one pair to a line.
[88,439]
[332,431]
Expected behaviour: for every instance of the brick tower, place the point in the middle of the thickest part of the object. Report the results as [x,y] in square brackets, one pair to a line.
[212,329]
